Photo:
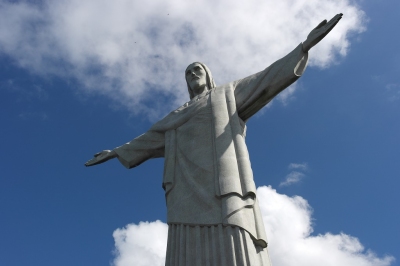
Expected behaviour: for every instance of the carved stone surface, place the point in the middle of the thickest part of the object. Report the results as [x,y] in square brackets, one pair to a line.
[212,209]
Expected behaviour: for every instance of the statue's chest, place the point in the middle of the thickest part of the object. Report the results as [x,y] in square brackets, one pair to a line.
[195,137]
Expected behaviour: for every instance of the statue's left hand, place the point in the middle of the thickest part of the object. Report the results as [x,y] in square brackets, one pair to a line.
[317,34]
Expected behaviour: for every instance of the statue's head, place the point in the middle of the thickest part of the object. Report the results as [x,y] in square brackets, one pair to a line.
[198,77]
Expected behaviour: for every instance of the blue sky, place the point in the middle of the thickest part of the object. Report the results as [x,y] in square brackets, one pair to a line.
[73,83]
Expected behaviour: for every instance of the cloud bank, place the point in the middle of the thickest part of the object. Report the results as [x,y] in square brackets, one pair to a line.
[135,52]
[289,228]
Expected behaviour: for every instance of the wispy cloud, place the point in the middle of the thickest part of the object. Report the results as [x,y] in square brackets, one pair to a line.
[295,175]
[33,116]
[394,91]
[131,51]
[289,230]
[292,178]
[288,94]
[300,166]
[30,93]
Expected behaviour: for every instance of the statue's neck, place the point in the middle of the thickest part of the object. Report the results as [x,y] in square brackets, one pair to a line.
[201,91]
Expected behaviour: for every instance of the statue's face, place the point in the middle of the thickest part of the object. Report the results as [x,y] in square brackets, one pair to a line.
[196,77]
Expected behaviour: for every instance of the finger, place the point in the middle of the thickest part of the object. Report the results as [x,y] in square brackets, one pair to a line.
[331,25]
[334,24]
[336,18]
[91,162]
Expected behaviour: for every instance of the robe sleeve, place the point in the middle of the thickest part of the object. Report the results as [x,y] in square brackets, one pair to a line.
[254,92]
[146,146]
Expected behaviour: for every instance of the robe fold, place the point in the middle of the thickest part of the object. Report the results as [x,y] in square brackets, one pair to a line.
[208,179]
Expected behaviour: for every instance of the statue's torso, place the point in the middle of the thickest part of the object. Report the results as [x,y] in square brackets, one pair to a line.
[192,199]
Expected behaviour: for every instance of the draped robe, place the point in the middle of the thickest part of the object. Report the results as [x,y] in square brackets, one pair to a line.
[208,179]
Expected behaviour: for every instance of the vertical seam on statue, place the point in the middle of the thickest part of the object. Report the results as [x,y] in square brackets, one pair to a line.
[174,160]
[233,140]
[216,176]
[171,140]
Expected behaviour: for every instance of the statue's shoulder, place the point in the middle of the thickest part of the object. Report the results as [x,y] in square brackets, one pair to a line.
[185,105]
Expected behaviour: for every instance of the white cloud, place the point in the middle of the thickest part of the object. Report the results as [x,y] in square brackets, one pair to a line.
[131,50]
[141,245]
[289,228]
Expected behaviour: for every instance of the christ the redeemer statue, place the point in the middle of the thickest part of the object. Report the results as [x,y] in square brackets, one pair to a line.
[213,214]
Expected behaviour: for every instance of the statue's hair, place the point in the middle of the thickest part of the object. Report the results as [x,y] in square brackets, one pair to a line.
[210,81]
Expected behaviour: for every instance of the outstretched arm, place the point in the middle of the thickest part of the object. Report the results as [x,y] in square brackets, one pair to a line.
[254,92]
[146,146]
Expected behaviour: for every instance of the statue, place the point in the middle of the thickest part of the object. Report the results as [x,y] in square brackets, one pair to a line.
[212,209]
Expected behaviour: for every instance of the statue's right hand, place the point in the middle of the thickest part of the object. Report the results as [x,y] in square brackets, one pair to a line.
[101,157]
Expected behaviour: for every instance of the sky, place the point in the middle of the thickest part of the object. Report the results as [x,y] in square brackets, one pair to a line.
[78,77]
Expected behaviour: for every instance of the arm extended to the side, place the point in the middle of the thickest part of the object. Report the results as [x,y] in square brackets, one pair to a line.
[255,91]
